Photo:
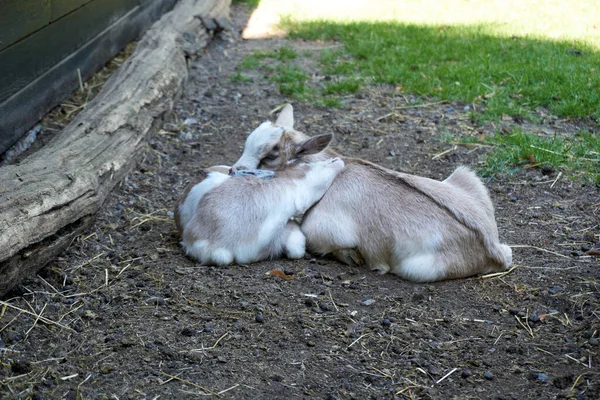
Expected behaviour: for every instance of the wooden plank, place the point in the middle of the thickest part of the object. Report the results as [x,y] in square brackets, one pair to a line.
[25,61]
[61,8]
[64,183]
[19,18]
[25,108]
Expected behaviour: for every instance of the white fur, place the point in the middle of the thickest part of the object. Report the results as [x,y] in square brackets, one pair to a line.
[264,137]
[246,219]
[188,208]
[295,243]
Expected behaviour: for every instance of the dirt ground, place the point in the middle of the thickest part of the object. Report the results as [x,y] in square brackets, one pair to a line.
[126,315]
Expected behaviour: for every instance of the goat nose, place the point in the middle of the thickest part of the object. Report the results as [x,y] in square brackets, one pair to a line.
[232,170]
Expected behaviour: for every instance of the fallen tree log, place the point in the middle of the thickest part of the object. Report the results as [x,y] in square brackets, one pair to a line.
[52,196]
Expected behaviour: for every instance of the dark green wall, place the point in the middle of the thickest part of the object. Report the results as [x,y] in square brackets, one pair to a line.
[44,42]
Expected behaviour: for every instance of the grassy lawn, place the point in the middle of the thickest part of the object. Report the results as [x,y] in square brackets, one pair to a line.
[509,58]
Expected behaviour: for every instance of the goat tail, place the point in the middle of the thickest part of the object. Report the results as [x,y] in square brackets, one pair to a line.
[466,179]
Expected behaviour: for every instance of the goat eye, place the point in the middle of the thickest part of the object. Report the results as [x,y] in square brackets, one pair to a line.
[270,157]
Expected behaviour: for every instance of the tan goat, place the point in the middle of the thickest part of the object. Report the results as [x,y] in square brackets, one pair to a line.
[418,228]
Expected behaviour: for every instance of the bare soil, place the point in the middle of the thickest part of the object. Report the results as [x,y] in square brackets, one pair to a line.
[126,315]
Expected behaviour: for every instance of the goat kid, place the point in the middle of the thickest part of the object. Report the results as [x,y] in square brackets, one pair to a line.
[223,218]
[417,228]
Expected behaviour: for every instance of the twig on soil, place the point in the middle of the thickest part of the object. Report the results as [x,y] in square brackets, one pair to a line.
[213,346]
[87,261]
[541,249]
[332,302]
[279,107]
[445,376]
[576,360]
[216,310]
[556,180]
[13,378]
[227,390]
[357,340]
[499,274]
[208,391]
[444,152]
[44,319]
[420,105]
[52,287]
[36,320]
[525,326]
[577,381]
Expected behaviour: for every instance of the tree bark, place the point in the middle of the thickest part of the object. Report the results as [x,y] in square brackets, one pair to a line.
[52,196]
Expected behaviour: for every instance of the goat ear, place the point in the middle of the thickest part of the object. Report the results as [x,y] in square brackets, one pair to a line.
[314,145]
[286,117]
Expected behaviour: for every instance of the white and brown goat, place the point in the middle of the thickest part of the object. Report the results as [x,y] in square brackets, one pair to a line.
[418,228]
[223,218]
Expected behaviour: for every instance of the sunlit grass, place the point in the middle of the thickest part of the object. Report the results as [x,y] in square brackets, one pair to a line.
[543,19]
[579,156]
[520,58]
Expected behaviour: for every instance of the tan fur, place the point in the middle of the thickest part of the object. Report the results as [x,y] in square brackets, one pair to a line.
[418,228]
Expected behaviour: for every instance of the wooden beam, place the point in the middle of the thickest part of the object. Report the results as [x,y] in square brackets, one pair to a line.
[59,189]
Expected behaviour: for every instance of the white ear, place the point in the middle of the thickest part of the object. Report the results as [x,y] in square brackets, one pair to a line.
[286,117]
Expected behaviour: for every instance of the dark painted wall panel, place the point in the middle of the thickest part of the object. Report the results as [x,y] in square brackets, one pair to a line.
[26,107]
[34,55]
[19,18]
[61,8]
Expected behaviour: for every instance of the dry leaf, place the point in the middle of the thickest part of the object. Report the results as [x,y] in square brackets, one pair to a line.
[279,274]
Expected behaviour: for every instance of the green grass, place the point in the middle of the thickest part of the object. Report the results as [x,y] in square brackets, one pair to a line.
[239,77]
[292,80]
[508,75]
[579,156]
[251,3]
[514,58]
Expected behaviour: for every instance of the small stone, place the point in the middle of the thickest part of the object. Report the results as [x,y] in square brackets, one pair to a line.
[593,341]
[586,247]
[221,359]
[187,331]
[465,373]
[386,322]
[190,121]
[185,136]
[514,198]
[207,329]
[488,375]
[555,289]
[541,377]
[310,343]
[259,318]
[435,371]
[244,304]
[393,153]
[324,306]
[368,302]
[513,311]
[20,366]
[534,318]
[310,302]
[157,301]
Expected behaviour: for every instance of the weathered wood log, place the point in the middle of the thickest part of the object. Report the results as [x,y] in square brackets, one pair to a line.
[51,196]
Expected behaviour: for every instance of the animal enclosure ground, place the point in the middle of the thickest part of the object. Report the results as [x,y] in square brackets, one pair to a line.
[123,313]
